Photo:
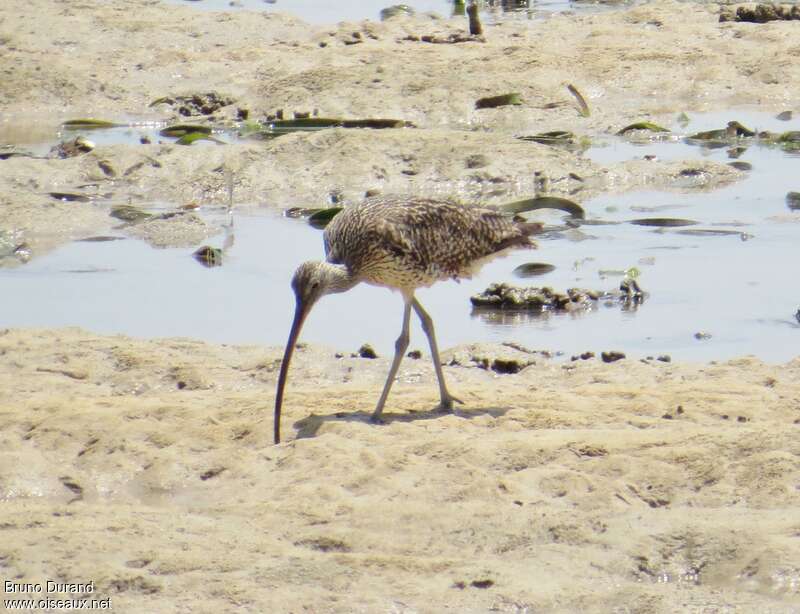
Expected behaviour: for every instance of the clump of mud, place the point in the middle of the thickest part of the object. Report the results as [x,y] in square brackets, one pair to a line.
[531,298]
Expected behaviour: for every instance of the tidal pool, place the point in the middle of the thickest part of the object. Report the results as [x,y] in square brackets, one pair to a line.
[324,12]
[736,287]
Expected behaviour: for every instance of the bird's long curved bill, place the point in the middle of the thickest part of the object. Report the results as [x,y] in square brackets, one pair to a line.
[300,313]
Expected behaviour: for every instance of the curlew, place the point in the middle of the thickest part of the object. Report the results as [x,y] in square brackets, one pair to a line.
[402,244]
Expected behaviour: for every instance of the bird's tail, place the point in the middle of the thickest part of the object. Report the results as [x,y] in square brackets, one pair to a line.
[522,238]
[530,228]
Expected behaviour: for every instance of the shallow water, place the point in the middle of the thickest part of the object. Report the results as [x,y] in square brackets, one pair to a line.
[39,136]
[741,292]
[323,11]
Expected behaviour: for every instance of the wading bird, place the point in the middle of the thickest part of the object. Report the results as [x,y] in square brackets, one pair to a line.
[402,244]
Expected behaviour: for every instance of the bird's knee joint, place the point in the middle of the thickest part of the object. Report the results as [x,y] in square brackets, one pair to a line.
[401,344]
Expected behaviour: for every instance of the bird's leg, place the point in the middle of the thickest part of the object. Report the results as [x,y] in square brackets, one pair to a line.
[427,326]
[400,347]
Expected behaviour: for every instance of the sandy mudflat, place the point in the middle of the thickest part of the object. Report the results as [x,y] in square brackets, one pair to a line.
[147,467]
[110,59]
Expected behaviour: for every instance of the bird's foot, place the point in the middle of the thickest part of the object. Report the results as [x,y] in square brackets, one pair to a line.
[446,405]
[377,419]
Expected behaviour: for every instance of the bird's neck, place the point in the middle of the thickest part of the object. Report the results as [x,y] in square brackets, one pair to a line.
[339,277]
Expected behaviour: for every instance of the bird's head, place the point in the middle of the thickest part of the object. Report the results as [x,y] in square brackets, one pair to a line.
[311,281]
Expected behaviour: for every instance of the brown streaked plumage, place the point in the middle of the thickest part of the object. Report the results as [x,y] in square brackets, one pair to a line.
[403,244]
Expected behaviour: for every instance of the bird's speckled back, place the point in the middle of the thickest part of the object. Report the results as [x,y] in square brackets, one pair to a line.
[405,243]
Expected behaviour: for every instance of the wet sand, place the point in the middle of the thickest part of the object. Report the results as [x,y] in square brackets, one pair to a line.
[146,467]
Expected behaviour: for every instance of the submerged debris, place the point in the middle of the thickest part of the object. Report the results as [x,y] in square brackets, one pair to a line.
[88,124]
[532,269]
[273,128]
[736,134]
[644,126]
[507,297]
[70,149]
[209,257]
[318,218]
[396,10]
[193,137]
[180,130]
[100,239]
[662,222]
[631,290]
[190,133]
[544,202]
[128,213]
[732,130]
[298,212]
[714,232]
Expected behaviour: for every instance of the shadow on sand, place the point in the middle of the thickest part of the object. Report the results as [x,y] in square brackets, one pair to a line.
[309,426]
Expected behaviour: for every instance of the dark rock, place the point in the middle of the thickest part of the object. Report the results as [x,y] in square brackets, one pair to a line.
[762,13]
[502,365]
[366,351]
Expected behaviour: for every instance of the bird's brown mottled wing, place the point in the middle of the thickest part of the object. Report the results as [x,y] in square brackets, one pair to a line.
[404,242]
